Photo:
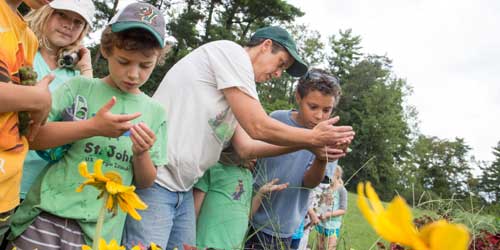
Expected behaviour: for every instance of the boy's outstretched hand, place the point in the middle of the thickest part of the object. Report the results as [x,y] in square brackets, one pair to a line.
[327,153]
[271,187]
[39,116]
[326,134]
[142,138]
[109,124]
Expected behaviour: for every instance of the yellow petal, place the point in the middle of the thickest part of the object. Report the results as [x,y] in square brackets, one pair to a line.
[134,200]
[113,176]
[154,246]
[375,202]
[98,168]
[85,247]
[102,244]
[363,205]
[443,235]
[114,188]
[136,248]
[396,224]
[82,168]
[127,208]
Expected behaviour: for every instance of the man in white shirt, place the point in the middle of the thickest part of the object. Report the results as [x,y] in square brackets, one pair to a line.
[211,101]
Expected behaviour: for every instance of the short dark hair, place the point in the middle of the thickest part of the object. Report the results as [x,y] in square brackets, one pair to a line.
[132,39]
[276,47]
[320,80]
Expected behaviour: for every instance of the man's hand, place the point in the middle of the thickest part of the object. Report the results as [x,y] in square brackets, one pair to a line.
[326,134]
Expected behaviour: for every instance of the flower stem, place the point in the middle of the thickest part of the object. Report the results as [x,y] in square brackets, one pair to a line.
[100,222]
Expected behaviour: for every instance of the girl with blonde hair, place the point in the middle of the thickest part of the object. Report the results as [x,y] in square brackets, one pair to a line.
[60,27]
[329,211]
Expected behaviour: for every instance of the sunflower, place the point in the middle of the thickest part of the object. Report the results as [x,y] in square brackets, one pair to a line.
[110,183]
[395,224]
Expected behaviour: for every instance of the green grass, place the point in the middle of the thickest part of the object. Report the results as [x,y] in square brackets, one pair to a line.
[356,233]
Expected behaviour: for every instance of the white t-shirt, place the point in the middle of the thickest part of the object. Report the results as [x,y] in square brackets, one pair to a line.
[200,121]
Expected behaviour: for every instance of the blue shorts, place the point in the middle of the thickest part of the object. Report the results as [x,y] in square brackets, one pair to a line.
[327,231]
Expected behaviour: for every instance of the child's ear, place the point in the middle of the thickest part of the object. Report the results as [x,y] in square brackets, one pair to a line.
[297,97]
[103,52]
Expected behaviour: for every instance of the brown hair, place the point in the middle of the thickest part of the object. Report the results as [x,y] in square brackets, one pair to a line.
[320,80]
[133,40]
[276,47]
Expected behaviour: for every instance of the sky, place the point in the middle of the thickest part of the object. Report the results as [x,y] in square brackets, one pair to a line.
[447,50]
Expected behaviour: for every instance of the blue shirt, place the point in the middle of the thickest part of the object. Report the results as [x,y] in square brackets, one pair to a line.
[282,212]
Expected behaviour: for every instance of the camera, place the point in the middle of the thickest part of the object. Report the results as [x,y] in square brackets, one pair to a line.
[68,59]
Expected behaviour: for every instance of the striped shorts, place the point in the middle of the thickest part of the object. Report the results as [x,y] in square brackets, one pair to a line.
[50,232]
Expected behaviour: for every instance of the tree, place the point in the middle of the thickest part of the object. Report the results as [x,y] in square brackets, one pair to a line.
[373,103]
[346,53]
[490,179]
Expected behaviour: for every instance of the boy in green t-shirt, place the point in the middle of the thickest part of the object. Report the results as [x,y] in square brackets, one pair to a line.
[224,199]
[53,213]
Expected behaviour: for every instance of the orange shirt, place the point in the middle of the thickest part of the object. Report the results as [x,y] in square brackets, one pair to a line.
[18,46]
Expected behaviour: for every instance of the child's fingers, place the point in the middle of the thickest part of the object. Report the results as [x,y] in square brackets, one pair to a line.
[127,117]
[145,132]
[138,139]
[146,129]
[107,107]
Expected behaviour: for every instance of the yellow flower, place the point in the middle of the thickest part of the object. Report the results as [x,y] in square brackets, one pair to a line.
[111,183]
[395,224]
[113,245]
[152,246]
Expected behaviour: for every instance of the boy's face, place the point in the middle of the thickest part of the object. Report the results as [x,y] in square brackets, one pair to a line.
[268,65]
[128,70]
[36,4]
[315,107]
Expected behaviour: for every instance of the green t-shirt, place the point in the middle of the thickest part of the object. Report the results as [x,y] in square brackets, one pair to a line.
[223,218]
[54,190]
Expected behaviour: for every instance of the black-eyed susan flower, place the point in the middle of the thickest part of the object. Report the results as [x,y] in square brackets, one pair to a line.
[395,224]
[110,185]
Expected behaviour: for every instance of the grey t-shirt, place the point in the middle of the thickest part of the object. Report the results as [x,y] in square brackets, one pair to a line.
[282,212]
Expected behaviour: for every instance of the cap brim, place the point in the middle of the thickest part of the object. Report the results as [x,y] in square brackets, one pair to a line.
[298,68]
[63,6]
[122,26]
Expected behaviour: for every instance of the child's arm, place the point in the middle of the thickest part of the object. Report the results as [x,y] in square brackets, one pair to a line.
[315,174]
[254,120]
[199,197]
[84,65]
[265,189]
[104,123]
[248,148]
[314,217]
[144,169]
[34,99]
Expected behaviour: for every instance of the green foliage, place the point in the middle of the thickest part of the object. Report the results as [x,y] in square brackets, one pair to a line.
[346,53]
[372,102]
[490,179]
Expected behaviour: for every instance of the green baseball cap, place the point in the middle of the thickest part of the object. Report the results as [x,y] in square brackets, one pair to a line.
[281,36]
